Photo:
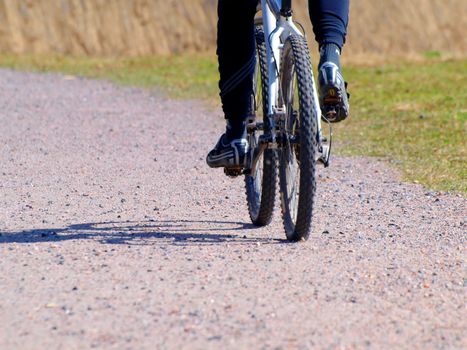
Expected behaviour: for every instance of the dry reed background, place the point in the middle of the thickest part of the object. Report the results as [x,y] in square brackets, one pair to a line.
[143,27]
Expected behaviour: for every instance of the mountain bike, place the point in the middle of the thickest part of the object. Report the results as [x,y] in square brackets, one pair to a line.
[284,132]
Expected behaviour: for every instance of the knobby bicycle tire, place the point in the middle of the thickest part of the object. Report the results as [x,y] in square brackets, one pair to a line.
[261,194]
[299,140]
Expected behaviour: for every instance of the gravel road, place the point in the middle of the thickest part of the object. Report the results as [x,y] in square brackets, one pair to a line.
[115,234]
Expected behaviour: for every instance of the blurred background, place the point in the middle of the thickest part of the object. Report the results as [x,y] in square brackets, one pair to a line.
[378,28]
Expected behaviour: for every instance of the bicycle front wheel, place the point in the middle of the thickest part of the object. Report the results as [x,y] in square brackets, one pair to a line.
[298,141]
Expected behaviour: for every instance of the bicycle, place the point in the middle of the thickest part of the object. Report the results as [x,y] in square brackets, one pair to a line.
[284,132]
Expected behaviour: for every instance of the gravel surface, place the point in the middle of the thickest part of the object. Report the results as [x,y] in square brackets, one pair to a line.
[115,234]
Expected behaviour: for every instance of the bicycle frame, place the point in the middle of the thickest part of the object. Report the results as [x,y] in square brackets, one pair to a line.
[276,29]
[277,26]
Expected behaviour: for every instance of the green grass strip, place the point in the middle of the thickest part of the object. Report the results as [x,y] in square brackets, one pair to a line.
[412,114]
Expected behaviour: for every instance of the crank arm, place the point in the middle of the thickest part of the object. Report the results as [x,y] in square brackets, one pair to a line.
[258,151]
[325,146]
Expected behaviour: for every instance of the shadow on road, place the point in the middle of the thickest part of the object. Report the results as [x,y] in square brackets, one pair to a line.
[181,232]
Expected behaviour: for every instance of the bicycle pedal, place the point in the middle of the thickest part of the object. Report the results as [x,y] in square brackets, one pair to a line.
[348,94]
[330,115]
[233,172]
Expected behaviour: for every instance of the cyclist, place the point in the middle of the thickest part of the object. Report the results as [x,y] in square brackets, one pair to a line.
[236,55]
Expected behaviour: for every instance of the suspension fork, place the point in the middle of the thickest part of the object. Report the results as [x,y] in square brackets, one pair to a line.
[272,38]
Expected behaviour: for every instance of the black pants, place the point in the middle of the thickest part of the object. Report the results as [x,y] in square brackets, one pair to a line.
[236,46]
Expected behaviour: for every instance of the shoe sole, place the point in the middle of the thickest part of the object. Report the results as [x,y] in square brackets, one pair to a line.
[221,163]
[333,105]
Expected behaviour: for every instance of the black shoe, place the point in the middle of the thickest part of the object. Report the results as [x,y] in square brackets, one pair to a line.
[333,96]
[228,154]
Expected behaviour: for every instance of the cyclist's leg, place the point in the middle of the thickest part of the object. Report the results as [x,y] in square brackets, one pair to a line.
[236,55]
[330,19]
